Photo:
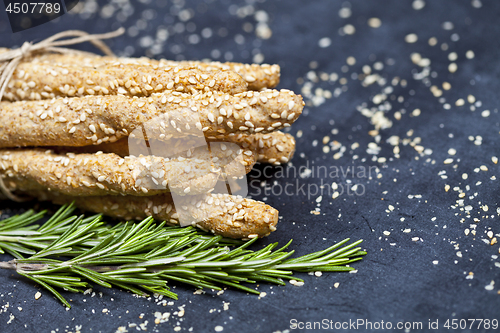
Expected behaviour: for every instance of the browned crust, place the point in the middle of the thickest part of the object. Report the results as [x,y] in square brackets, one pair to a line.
[246,157]
[257,76]
[274,148]
[226,215]
[82,121]
[104,174]
[39,78]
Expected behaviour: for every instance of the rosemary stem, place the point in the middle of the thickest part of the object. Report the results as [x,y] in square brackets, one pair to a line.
[40,267]
[8,264]
[69,252]
[103,269]
[20,266]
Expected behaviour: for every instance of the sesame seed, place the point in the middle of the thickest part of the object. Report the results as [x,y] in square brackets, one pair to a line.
[250,78]
[411,38]
[349,29]
[374,22]
[324,42]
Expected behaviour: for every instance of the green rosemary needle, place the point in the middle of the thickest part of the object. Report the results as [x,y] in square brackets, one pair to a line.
[75,252]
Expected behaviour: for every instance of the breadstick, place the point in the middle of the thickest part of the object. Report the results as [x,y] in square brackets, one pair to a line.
[234,161]
[222,214]
[90,120]
[257,77]
[222,154]
[36,79]
[274,148]
[103,174]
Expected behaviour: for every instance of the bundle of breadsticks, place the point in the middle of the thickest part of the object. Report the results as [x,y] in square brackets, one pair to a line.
[68,124]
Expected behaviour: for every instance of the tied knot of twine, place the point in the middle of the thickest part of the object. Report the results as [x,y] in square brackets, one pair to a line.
[25,49]
[10,60]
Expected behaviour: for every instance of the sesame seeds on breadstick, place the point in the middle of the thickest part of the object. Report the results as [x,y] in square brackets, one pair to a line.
[222,154]
[38,79]
[95,119]
[223,214]
[257,76]
[274,148]
[103,174]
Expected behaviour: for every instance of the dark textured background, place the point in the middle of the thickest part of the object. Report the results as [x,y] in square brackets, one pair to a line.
[397,282]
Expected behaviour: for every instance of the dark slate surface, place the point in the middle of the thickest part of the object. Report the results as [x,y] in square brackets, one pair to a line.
[397,281]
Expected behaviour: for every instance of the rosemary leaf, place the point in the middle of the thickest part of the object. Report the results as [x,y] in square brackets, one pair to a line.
[71,251]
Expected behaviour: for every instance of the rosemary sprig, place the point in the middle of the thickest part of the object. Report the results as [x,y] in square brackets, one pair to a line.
[71,252]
